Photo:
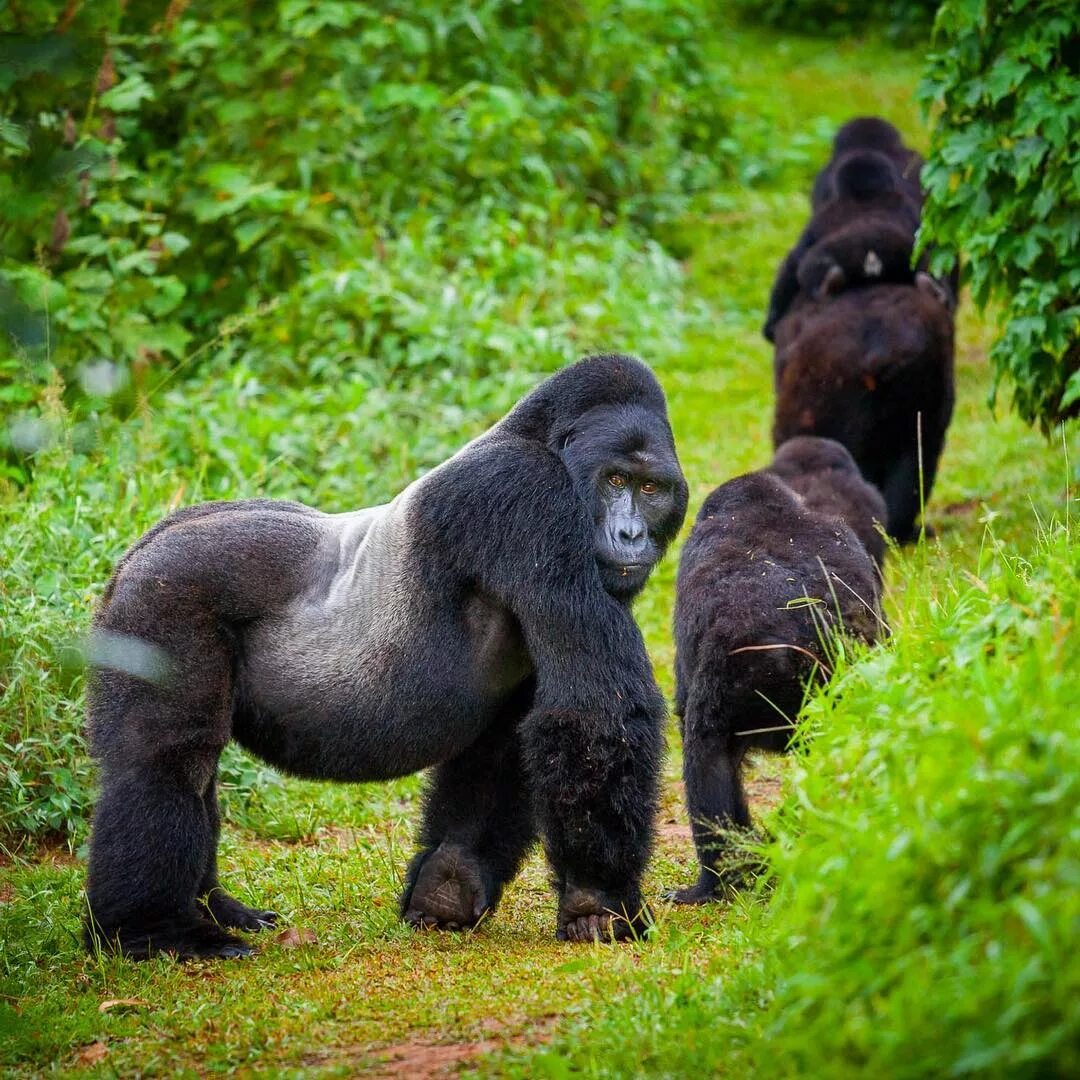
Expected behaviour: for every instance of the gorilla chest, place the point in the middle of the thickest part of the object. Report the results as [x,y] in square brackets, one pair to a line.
[497,655]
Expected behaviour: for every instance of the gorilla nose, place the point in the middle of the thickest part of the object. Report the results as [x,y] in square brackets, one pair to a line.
[630,540]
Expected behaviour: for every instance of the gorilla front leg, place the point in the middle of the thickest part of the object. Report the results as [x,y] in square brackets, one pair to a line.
[594,768]
[478,825]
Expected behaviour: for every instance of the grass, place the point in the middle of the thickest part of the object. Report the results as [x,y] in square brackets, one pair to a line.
[719,988]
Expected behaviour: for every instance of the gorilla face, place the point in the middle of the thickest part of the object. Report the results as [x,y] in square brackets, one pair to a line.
[623,465]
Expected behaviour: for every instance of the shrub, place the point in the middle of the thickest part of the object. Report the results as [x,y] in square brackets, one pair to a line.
[170,175]
[925,865]
[899,19]
[1002,184]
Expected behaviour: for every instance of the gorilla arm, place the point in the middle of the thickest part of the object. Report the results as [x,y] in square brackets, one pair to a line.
[786,286]
[592,740]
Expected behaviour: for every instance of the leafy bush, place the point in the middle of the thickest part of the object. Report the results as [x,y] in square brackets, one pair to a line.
[1004,81]
[170,178]
[898,19]
[366,230]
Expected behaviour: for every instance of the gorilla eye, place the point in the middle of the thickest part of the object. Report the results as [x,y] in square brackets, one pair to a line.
[616,480]
[648,487]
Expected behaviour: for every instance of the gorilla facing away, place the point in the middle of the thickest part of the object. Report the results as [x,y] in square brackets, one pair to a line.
[773,568]
[870,133]
[867,205]
[872,369]
[479,623]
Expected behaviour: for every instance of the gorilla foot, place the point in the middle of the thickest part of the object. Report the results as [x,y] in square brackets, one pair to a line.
[590,915]
[183,939]
[449,892]
[226,910]
[735,873]
[700,893]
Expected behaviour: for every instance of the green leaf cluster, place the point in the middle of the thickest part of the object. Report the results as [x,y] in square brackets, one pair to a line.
[898,20]
[310,184]
[1004,184]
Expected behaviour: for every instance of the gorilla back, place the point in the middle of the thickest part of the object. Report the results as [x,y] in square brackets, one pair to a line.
[874,371]
[478,623]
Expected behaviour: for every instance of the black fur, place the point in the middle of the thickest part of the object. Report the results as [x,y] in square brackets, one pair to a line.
[825,475]
[479,623]
[874,134]
[747,639]
[872,369]
[867,204]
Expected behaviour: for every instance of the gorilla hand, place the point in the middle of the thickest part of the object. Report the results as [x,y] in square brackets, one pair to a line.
[449,891]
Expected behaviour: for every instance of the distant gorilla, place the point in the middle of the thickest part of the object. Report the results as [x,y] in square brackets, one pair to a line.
[864,233]
[872,369]
[480,623]
[774,566]
[867,204]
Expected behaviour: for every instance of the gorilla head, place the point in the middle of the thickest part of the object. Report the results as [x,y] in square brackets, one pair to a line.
[621,460]
[825,475]
[862,174]
[867,132]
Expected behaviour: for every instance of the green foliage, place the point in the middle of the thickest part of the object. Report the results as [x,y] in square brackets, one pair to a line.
[903,20]
[925,862]
[1004,184]
[305,181]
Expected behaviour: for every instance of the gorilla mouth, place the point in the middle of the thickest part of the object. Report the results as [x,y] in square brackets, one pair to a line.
[626,569]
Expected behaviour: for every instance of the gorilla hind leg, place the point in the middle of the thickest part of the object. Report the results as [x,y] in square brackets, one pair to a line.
[150,847]
[223,909]
[717,806]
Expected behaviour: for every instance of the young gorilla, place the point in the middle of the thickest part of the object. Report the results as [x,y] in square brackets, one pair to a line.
[866,207]
[773,567]
[480,623]
[863,233]
[873,370]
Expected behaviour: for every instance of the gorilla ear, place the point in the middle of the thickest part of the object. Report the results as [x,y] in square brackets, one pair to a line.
[567,439]
[934,289]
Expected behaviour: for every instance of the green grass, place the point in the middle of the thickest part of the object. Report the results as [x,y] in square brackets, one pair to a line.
[946,951]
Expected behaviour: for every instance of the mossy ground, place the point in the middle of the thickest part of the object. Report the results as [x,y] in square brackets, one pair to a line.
[369,993]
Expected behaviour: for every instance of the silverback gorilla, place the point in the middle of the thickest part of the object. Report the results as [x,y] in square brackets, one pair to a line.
[479,623]
[873,369]
[774,564]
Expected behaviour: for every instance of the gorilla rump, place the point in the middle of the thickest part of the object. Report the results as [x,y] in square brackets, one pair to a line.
[774,567]
[480,623]
[867,204]
[872,369]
